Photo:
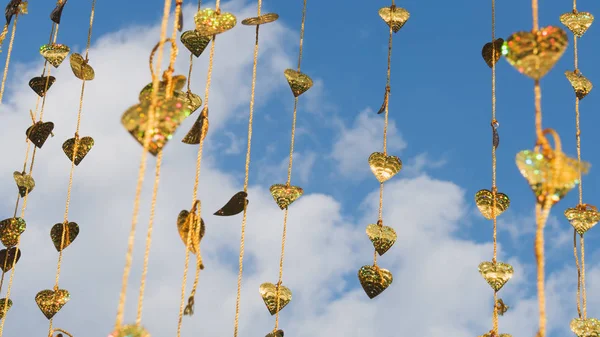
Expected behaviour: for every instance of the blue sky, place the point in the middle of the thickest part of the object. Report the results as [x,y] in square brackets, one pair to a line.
[440,104]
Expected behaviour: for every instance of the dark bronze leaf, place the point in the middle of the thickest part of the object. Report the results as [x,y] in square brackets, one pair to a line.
[57,12]
[7,258]
[180,21]
[235,205]
[39,132]
[492,51]
[495,135]
[70,230]
[11,9]
[198,130]
[386,99]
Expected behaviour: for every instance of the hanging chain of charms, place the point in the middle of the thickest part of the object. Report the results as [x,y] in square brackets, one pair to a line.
[492,203]
[152,122]
[583,216]
[374,279]
[277,296]
[12,228]
[14,8]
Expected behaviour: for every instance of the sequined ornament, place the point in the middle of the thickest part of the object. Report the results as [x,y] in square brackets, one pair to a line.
[550,177]
[492,51]
[84,145]
[260,20]
[41,84]
[484,199]
[25,183]
[70,230]
[13,8]
[193,101]
[384,167]
[589,327]
[195,42]
[582,217]
[199,129]
[184,220]
[169,113]
[235,205]
[81,69]
[580,83]
[5,305]
[382,237]
[10,230]
[39,132]
[578,22]
[496,274]
[56,13]
[278,333]
[177,81]
[299,82]
[51,301]
[285,195]
[501,307]
[8,258]
[131,330]
[54,53]
[374,280]
[268,291]
[210,22]
[395,17]
[535,53]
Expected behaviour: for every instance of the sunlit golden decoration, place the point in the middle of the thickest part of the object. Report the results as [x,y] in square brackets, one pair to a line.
[374,279]
[81,69]
[275,297]
[51,301]
[583,216]
[14,8]
[54,53]
[25,182]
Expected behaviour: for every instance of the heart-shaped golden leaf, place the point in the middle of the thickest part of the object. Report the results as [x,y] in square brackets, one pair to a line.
[5,305]
[10,230]
[268,291]
[374,280]
[285,195]
[69,230]
[382,237]
[178,82]
[84,145]
[260,20]
[492,51]
[484,200]
[81,69]
[395,17]
[51,301]
[195,42]
[199,129]
[580,83]
[384,167]
[41,84]
[299,82]
[192,100]
[210,22]
[130,330]
[54,53]
[8,258]
[169,113]
[582,218]
[535,53]
[496,274]
[187,222]
[578,23]
[589,327]
[25,182]
[39,132]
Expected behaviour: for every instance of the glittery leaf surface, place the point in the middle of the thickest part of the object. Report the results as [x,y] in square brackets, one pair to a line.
[209,22]
[3,304]
[70,230]
[199,129]
[496,274]
[80,67]
[535,53]
[578,23]
[178,82]
[582,218]
[56,13]
[374,280]
[492,51]
[285,195]
[485,202]
[580,83]
[7,258]
[39,132]
[195,42]
[382,237]
[51,301]
[84,145]
[278,333]
[260,20]
[187,221]
[54,53]
[384,167]
[41,84]
[299,82]
[130,330]
[168,115]
[25,183]
[589,327]
[235,205]
[395,17]
[268,291]
[10,230]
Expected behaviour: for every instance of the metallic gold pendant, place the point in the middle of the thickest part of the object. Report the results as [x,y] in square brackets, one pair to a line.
[492,51]
[382,237]
[177,81]
[10,231]
[84,145]
[51,301]
[54,53]
[578,23]
[81,69]
[384,167]
[395,17]
[195,42]
[260,20]
[41,84]
[235,205]
[25,183]
[285,195]
[210,22]
[299,82]
[589,327]
[278,333]
[484,199]
[187,222]
[70,230]
[8,258]
[582,217]
[3,305]
[374,280]
[199,129]
[580,83]
[496,274]
[268,291]
[39,132]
